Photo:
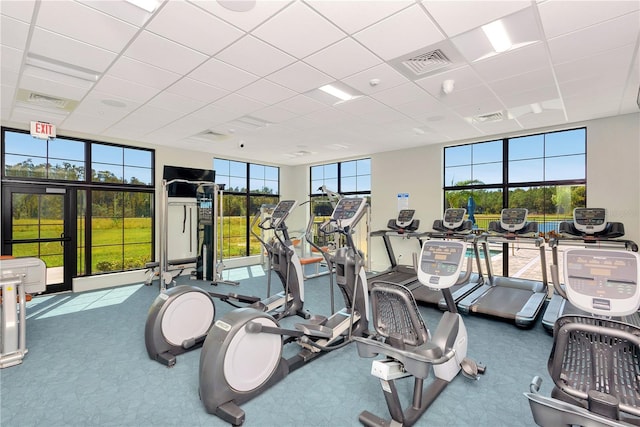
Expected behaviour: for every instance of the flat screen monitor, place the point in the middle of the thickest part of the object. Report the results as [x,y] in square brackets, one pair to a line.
[405,217]
[453,218]
[513,219]
[590,220]
[183,189]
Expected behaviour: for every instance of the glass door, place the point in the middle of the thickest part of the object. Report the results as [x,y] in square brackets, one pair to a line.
[40,226]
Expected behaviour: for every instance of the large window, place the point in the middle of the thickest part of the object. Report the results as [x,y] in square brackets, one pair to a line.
[248,186]
[545,173]
[112,188]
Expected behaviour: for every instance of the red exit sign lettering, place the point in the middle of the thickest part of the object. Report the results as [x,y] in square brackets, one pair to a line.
[43,130]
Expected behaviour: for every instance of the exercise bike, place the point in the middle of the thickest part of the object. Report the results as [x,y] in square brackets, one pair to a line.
[594,358]
[403,338]
[180,317]
[242,354]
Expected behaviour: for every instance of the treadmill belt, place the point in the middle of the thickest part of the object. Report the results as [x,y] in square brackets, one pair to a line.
[423,294]
[394,276]
[503,302]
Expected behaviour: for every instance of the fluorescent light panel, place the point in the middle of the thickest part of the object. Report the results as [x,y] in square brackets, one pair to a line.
[61,68]
[338,93]
[497,35]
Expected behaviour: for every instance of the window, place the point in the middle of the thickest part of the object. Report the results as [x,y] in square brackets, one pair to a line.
[545,173]
[112,213]
[247,187]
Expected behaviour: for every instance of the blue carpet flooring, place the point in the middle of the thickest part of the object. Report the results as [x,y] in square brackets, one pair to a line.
[87,366]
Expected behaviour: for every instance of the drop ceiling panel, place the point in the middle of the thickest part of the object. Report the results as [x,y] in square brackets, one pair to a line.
[274,114]
[387,78]
[186,24]
[513,63]
[175,102]
[120,9]
[407,31]
[10,58]
[300,77]
[401,94]
[596,39]
[539,94]
[222,75]
[248,20]
[22,10]
[13,33]
[343,59]
[57,88]
[553,14]
[70,51]
[456,17]
[197,90]
[266,92]
[126,89]
[255,56]
[238,104]
[93,105]
[88,124]
[463,77]
[608,65]
[163,53]
[114,34]
[301,104]
[523,82]
[140,72]
[307,32]
[353,16]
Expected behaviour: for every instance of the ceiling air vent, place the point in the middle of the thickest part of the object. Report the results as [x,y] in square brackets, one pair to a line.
[34,99]
[491,117]
[427,62]
[210,136]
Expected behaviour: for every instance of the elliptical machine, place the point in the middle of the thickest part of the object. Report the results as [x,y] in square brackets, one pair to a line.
[242,354]
[403,338]
[180,317]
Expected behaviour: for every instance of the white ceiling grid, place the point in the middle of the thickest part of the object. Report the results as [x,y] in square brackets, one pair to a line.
[194,68]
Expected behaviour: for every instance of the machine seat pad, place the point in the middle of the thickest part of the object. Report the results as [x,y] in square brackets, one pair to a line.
[395,314]
[595,354]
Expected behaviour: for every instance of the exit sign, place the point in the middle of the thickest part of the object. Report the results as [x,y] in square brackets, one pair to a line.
[43,130]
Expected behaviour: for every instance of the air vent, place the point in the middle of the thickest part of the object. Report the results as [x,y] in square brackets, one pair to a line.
[46,102]
[427,62]
[491,117]
[210,136]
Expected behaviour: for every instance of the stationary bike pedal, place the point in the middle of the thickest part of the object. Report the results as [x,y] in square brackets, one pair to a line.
[471,369]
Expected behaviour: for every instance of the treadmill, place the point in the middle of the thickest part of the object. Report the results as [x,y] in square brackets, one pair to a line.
[452,226]
[404,226]
[508,298]
[588,229]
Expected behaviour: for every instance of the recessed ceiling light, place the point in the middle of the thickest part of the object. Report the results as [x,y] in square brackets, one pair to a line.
[337,92]
[497,35]
[148,5]
[536,108]
[113,103]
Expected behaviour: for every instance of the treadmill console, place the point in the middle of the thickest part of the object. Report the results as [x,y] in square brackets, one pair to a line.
[281,212]
[441,263]
[513,219]
[348,211]
[453,218]
[590,220]
[603,282]
[405,218]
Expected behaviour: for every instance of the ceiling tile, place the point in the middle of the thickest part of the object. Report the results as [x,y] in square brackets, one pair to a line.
[343,59]
[512,63]
[238,104]
[13,33]
[126,89]
[121,9]
[422,108]
[300,77]
[54,84]
[222,75]
[523,82]
[353,16]
[274,114]
[114,34]
[411,28]
[553,14]
[93,105]
[248,20]
[609,65]
[476,13]
[399,95]
[60,48]
[140,72]
[190,26]
[163,53]
[22,10]
[92,125]
[307,32]
[595,39]
[255,56]
[9,78]
[463,78]
[175,102]
[301,104]
[266,92]
[527,97]
[376,79]
[11,59]
[197,90]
